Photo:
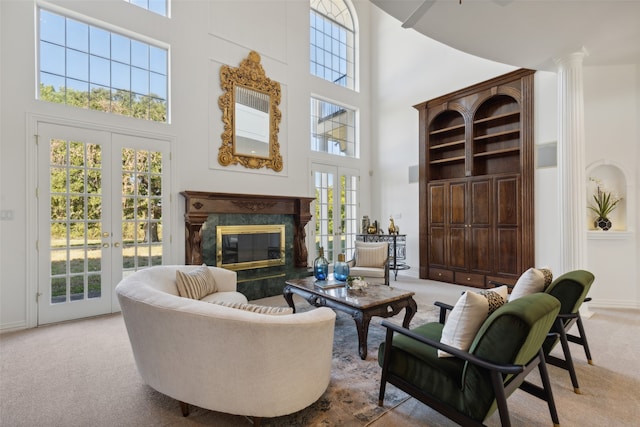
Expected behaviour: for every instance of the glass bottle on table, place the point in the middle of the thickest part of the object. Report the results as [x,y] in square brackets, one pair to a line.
[321,266]
[341,269]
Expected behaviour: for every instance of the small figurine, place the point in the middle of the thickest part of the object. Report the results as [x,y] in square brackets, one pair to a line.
[392,226]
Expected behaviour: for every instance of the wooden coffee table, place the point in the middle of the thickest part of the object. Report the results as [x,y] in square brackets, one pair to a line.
[361,304]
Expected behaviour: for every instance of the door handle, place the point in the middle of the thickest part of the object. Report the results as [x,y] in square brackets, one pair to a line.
[116,244]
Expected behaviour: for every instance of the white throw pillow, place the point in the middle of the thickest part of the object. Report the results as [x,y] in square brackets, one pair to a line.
[530,282]
[197,283]
[464,321]
[256,308]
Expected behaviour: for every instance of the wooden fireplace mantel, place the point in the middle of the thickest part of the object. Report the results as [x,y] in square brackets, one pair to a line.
[199,205]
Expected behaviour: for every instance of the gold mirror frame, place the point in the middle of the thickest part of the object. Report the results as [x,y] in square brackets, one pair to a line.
[250,75]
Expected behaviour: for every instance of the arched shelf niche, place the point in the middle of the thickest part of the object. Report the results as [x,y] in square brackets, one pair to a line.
[611,178]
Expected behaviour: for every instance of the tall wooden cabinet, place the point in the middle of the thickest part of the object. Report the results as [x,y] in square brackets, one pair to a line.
[476,182]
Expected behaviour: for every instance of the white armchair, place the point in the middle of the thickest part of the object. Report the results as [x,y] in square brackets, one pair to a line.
[371,262]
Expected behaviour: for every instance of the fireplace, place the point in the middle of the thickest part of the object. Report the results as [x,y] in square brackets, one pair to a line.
[206,213]
[243,247]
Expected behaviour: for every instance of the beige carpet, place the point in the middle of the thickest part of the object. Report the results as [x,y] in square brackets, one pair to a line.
[82,373]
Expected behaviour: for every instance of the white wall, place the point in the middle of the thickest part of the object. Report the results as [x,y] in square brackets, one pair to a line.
[202,35]
[410,68]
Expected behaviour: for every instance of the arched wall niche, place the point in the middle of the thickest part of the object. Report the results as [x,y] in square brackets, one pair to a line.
[610,177]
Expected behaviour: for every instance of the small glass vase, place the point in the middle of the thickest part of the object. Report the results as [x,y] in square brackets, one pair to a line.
[321,266]
[341,269]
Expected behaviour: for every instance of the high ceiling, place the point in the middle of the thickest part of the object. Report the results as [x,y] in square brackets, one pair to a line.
[528,33]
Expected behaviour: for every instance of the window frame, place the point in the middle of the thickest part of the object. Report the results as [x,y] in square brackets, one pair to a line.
[351,53]
[130,36]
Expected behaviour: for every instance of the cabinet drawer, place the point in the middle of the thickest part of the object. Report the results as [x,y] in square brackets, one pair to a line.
[441,275]
[468,279]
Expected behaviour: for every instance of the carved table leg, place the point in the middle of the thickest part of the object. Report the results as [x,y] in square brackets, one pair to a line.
[362,325]
[288,297]
[411,310]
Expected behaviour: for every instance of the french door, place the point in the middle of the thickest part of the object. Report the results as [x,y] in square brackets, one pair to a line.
[103,199]
[335,216]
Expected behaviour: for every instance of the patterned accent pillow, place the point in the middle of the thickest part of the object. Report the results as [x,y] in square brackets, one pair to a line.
[197,283]
[263,309]
[548,276]
[494,298]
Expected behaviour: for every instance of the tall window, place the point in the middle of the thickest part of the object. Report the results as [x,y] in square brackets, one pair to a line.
[89,67]
[157,6]
[332,50]
[333,129]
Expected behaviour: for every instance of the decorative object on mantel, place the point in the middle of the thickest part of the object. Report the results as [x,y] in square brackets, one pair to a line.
[250,115]
[605,203]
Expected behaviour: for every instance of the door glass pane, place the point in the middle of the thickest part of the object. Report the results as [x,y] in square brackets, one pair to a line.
[141,208]
[324,214]
[348,213]
[74,170]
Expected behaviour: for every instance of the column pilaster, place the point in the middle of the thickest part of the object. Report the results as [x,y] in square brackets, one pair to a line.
[571,162]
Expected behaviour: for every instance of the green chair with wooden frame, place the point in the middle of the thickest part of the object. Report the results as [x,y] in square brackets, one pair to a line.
[571,290]
[470,386]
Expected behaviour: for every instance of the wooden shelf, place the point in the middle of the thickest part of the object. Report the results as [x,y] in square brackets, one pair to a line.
[447,160]
[447,129]
[482,138]
[501,152]
[448,144]
[497,117]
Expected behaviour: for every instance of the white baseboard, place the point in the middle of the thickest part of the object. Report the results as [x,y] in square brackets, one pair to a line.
[13,326]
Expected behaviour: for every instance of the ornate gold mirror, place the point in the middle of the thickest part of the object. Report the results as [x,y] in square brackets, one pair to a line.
[250,115]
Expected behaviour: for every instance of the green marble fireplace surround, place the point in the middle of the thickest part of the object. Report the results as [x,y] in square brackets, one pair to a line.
[205,211]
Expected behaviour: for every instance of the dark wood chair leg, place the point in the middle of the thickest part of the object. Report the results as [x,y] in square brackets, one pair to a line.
[568,360]
[501,398]
[184,407]
[583,339]
[546,385]
[257,421]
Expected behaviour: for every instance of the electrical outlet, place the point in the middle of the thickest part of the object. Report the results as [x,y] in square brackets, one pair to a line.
[6,215]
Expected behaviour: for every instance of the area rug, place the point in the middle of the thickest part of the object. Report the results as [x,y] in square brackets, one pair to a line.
[352,396]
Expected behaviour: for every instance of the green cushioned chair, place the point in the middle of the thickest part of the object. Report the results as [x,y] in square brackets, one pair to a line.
[571,290]
[469,387]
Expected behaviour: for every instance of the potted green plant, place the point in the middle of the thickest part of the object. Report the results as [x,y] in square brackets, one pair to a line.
[604,202]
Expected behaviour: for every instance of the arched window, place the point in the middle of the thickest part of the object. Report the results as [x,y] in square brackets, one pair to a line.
[332,49]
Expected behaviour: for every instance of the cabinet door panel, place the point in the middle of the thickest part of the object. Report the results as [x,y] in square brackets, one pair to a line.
[437,247]
[507,251]
[457,247]
[436,204]
[481,202]
[457,203]
[507,201]
[480,250]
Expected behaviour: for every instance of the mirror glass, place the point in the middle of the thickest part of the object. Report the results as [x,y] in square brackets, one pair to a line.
[250,116]
[251,122]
